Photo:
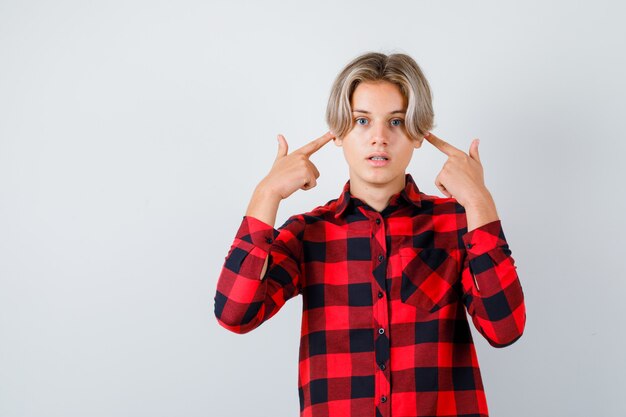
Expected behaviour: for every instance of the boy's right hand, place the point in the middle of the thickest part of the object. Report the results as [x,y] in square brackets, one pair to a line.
[294,171]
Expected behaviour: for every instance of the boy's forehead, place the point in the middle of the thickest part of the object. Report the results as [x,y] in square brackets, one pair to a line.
[378,98]
[400,111]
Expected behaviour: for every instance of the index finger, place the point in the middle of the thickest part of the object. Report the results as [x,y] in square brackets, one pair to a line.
[315,145]
[441,144]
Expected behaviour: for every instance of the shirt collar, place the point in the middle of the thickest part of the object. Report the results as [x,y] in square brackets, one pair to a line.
[410,193]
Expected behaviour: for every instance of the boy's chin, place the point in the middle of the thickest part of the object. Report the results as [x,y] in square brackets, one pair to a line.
[379,177]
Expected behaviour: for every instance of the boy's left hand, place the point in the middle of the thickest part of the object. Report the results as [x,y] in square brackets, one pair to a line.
[462,175]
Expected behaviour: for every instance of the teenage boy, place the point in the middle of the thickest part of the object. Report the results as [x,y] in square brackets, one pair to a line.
[386,271]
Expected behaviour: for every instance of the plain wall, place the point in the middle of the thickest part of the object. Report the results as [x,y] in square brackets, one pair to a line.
[132,134]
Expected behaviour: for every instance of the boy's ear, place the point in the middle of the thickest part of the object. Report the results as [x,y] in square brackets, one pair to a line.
[418,142]
[338,141]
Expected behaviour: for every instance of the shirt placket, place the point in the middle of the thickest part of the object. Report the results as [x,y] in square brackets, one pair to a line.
[382,391]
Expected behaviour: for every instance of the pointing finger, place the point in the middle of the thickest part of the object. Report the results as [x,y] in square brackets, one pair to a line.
[315,145]
[441,144]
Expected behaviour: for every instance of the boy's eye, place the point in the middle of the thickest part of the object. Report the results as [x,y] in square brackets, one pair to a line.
[394,122]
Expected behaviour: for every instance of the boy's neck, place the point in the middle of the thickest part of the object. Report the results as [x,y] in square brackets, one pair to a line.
[377,197]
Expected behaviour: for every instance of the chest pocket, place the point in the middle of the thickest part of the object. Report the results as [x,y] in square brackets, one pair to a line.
[430,278]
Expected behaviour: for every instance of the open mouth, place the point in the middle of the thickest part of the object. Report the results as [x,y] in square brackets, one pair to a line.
[378,161]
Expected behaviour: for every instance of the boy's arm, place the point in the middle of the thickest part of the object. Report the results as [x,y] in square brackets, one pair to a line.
[262,269]
[264,207]
[492,291]
[260,273]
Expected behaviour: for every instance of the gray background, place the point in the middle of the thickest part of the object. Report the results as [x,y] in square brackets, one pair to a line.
[133,133]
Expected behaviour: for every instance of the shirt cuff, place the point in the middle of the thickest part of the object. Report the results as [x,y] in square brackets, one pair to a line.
[257,233]
[484,238]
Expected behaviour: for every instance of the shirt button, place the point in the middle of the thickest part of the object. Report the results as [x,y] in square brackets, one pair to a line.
[381,330]
[383,399]
[382,366]
[380,258]
[380,294]
[469,245]
[268,239]
[377,221]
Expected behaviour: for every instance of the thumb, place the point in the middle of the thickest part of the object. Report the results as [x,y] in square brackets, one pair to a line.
[282,146]
[473,152]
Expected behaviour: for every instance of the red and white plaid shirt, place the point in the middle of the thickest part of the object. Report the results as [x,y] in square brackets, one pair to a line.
[384,326]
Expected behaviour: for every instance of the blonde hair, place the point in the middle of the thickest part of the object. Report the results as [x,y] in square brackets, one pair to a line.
[397,68]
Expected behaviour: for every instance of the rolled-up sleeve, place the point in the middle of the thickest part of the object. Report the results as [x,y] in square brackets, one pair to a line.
[492,291]
[244,299]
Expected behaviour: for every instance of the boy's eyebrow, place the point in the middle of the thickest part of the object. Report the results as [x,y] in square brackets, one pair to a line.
[366,112]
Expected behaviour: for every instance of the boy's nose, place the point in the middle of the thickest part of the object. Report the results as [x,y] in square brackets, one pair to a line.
[379,134]
[379,139]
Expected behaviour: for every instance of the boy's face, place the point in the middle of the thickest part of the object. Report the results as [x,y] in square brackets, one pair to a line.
[378,129]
